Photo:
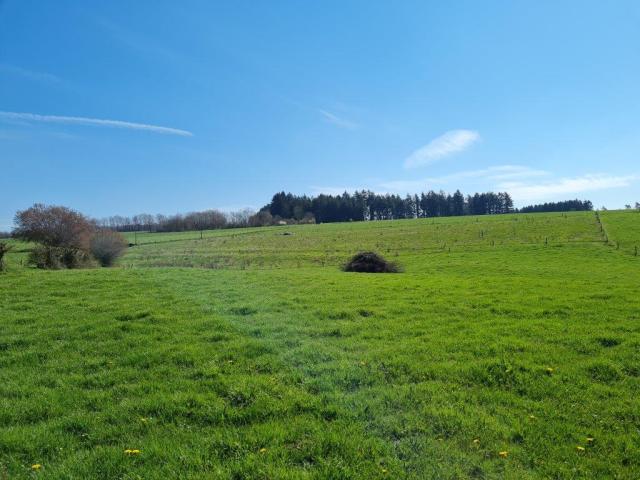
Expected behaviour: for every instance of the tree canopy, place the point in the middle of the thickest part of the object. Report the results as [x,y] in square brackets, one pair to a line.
[367,205]
[566,206]
[53,226]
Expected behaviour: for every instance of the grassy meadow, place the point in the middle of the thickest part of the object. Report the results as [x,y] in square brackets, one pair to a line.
[509,348]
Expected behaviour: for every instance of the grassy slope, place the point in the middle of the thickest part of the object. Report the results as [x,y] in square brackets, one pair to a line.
[336,375]
[623,226]
[323,245]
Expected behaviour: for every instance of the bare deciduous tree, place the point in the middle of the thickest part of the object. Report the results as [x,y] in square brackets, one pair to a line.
[239,218]
[63,234]
[54,227]
[261,219]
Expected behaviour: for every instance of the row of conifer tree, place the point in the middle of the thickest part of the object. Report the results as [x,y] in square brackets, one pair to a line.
[367,205]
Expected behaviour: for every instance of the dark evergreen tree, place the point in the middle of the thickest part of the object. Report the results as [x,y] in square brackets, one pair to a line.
[457,207]
[566,206]
[366,205]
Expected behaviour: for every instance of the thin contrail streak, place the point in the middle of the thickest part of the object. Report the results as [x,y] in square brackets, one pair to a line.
[96,122]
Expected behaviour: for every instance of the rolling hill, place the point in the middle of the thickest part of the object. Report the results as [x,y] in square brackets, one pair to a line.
[507,348]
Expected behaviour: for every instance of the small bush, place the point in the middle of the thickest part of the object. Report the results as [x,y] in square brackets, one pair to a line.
[4,248]
[107,246]
[54,258]
[44,257]
[370,262]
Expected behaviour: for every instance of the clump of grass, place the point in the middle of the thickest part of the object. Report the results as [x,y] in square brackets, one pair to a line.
[609,342]
[604,372]
[243,311]
[370,262]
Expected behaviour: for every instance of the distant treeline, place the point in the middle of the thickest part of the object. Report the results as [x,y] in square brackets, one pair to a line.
[566,206]
[359,206]
[367,205]
[205,220]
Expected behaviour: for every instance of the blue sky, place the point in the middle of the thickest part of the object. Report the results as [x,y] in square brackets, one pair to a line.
[163,106]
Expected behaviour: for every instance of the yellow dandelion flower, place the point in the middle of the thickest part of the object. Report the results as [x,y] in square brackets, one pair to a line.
[503,454]
[590,439]
[36,466]
[549,370]
[132,451]
[263,450]
[476,441]
[579,448]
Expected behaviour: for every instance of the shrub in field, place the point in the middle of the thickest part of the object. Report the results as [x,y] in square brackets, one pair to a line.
[53,258]
[42,256]
[4,248]
[370,262]
[54,227]
[63,236]
[107,246]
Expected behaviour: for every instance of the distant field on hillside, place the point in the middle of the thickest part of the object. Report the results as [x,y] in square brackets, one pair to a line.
[331,244]
[508,348]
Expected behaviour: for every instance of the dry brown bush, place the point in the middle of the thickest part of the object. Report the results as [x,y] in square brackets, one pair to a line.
[107,246]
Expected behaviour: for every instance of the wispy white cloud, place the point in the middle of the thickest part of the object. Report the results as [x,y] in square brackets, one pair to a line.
[504,172]
[567,186]
[524,184]
[495,173]
[29,74]
[446,144]
[338,121]
[518,180]
[95,122]
[486,176]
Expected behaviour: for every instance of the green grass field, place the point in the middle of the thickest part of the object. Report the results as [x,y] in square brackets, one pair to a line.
[509,347]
